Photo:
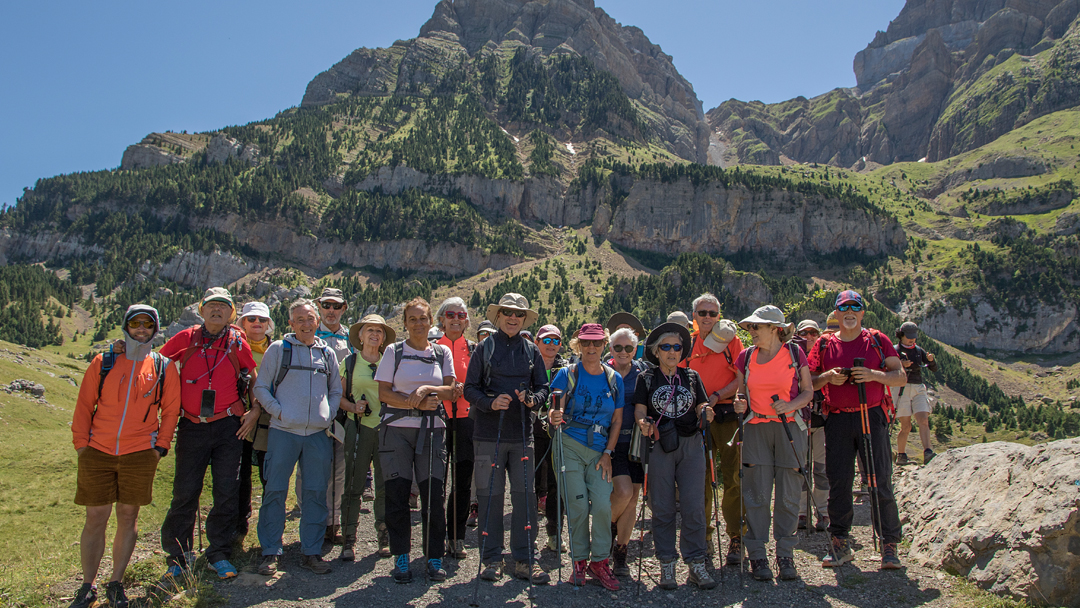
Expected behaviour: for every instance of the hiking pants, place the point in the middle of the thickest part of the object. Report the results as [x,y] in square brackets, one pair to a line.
[507,462]
[283,451]
[843,440]
[769,461]
[685,468]
[461,454]
[586,493]
[400,466]
[546,480]
[365,446]
[820,492]
[335,485]
[727,464]
[199,445]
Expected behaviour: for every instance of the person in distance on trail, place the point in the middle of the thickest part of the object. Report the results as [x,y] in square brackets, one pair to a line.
[505,382]
[123,425]
[258,328]
[549,341]
[806,336]
[592,411]
[300,387]
[713,358]
[669,402]
[777,380]
[832,363]
[485,329]
[215,367]
[912,400]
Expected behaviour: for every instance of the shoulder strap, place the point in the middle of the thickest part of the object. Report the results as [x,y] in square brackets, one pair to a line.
[794,357]
[350,365]
[470,346]
[283,367]
[727,355]
[489,347]
[107,361]
[439,355]
[232,338]
[612,383]
[877,346]
[160,367]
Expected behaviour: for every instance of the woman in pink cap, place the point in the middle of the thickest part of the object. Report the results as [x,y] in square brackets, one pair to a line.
[549,341]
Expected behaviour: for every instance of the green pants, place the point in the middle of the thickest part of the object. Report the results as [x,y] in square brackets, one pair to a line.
[727,461]
[584,484]
[356,475]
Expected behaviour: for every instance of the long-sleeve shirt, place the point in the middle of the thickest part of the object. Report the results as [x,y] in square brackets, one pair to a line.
[307,399]
[516,364]
[918,359]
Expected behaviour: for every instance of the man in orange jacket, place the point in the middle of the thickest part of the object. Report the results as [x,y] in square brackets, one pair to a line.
[124,420]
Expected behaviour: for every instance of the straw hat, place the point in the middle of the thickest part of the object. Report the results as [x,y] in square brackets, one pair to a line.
[513,301]
[356,328]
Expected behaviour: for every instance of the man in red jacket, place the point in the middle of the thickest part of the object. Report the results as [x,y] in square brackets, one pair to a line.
[123,425]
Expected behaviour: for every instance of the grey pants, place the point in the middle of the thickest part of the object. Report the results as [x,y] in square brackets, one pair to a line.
[820,493]
[507,462]
[769,461]
[685,468]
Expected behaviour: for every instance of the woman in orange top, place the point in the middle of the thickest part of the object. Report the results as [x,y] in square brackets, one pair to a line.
[119,439]
[776,378]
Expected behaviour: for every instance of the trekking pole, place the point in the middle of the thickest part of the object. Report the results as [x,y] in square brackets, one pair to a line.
[809,477]
[562,497]
[451,467]
[742,491]
[711,459]
[646,447]
[475,603]
[426,513]
[530,500]
[871,474]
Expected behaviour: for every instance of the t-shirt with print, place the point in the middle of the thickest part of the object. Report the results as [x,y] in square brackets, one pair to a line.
[364,386]
[776,376]
[591,403]
[672,398]
[830,351]
[418,368]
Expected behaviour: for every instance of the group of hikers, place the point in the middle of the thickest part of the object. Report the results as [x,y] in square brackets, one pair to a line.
[767,436]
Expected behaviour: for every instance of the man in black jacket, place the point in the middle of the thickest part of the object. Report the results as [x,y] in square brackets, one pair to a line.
[912,399]
[506,379]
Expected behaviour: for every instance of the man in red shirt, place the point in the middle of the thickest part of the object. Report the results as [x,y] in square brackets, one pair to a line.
[832,362]
[713,358]
[213,423]
[453,319]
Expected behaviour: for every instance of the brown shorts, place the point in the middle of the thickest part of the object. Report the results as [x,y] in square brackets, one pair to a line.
[104,479]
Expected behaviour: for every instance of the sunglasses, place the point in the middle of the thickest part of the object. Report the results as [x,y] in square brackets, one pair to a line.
[675,347]
[329,305]
[555,341]
[807,332]
[620,348]
[135,324]
[592,342]
[456,315]
[756,326]
[513,313]
[708,313]
[258,319]
[854,307]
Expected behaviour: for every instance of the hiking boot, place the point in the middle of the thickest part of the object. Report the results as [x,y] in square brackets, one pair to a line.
[618,561]
[223,568]
[554,545]
[735,552]
[115,596]
[491,571]
[401,572]
[602,573]
[333,535]
[760,569]
[536,575]
[802,522]
[314,563]
[382,537]
[928,455]
[435,570]
[541,505]
[347,552]
[839,553]
[785,567]
[699,575]
[822,523]
[269,565]
[474,514]
[85,597]
[890,560]
[456,549]
[667,575]
[577,576]
[902,459]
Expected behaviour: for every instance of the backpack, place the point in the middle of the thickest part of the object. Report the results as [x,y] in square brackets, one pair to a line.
[489,351]
[399,354]
[609,374]
[888,406]
[286,365]
[791,348]
[108,360]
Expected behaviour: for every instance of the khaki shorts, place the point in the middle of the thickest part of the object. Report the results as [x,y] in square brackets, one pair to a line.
[104,479]
[913,401]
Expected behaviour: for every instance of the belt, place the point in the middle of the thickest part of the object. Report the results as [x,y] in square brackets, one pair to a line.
[626,432]
[794,417]
[235,409]
[592,429]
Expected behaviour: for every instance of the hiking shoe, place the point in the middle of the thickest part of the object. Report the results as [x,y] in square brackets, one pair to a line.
[85,597]
[332,535]
[667,575]
[553,544]
[474,514]
[802,522]
[927,456]
[602,573]
[735,552]
[382,537]
[174,572]
[822,523]
[224,569]
[579,573]
[269,565]
[401,572]
[618,561]
[115,596]
[491,571]
[314,563]
[435,570]
[699,575]
[785,567]
[902,459]
[760,569]
[890,560]
[839,553]
[348,554]
[536,575]
[456,549]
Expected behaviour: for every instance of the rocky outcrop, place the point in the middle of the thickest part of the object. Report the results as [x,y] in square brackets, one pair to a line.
[143,156]
[202,270]
[38,246]
[1012,526]
[1043,329]
[222,148]
[997,167]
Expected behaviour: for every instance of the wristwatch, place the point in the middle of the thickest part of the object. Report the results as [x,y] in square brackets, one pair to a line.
[609,452]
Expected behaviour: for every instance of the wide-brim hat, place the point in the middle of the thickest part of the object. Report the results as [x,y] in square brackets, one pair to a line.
[485,327]
[625,318]
[721,335]
[257,309]
[668,328]
[770,315]
[808,324]
[513,301]
[356,328]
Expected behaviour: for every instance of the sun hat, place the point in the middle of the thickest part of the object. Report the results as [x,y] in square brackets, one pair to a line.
[625,318]
[356,328]
[666,328]
[332,295]
[679,317]
[591,331]
[513,301]
[217,294]
[849,295]
[909,329]
[485,327]
[808,324]
[257,309]
[770,315]
[721,335]
[548,330]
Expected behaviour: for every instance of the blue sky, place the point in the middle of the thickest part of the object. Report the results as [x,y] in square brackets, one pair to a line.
[83,80]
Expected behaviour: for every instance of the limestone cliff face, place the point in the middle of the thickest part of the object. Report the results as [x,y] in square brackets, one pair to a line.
[1048,329]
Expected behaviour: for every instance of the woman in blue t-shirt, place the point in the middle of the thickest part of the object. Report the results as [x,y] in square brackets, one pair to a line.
[588,409]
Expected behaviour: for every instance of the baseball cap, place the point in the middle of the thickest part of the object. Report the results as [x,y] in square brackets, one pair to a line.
[217,294]
[849,295]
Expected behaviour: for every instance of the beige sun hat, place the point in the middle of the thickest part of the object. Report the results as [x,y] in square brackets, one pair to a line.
[513,301]
[354,331]
[721,335]
[770,315]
